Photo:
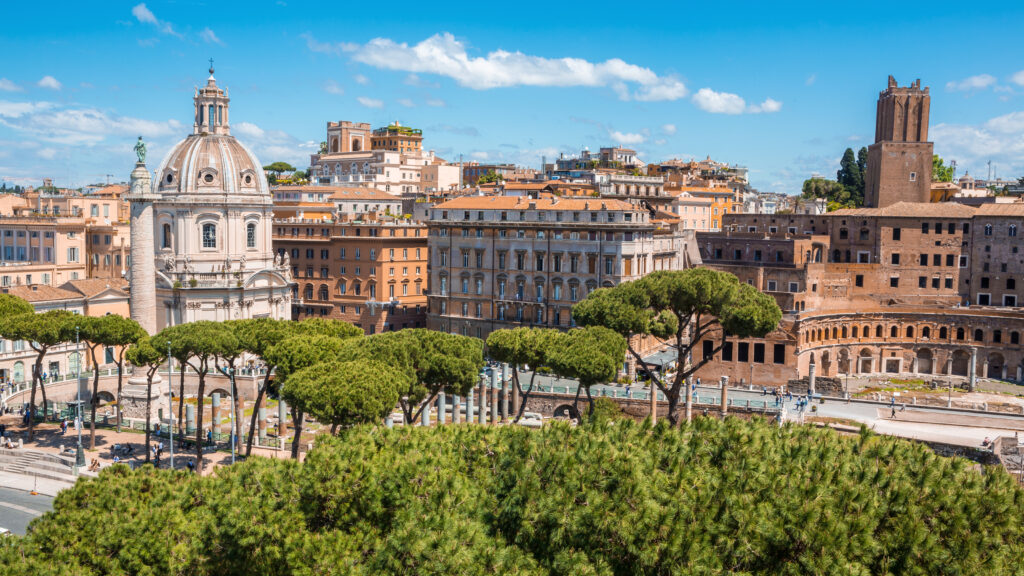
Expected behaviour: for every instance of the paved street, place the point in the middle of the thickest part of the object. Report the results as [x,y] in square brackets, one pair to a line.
[18,508]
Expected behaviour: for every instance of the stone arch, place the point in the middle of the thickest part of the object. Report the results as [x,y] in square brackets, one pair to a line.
[979,335]
[961,362]
[943,333]
[995,365]
[910,331]
[844,361]
[566,411]
[960,334]
[104,397]
[843,333]
[925,361]
[357,145]
[334,144]
[926,332]
[826,363]
[878,331]
[865,361]
[893,332]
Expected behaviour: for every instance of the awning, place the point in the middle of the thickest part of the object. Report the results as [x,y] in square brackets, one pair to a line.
[663,358]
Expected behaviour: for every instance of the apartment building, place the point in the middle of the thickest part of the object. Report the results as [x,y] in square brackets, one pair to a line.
[369,270]
[507,261]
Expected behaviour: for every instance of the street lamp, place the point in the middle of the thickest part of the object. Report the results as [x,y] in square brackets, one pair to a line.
[79,453]
[170,402]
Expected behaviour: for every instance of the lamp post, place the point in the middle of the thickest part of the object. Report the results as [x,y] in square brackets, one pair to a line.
[231,411]
[170,402]
[79,453]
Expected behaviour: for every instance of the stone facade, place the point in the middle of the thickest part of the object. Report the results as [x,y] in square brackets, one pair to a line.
[900,161]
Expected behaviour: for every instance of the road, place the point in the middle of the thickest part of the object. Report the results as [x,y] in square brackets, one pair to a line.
[18,508]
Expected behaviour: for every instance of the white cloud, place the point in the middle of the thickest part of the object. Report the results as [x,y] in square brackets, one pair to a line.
[49,82]
[718,102]
[480,155]
[208,36]
[444,55]
[669,129]
[630,138]
[146,16]
[325,47]
[1012,123]
[1000,139]
[370,102]
[725,103]
[360,79]
[978,82]
[810,79]
[1018,78]
[332,87]
[248,130]
[18,109]
[436,103]
[8,86]
[46,153]
[78,126]
[143,14]
[408,103]
[768,106]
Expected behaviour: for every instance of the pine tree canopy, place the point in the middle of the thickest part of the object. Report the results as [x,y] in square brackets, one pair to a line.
[607,498]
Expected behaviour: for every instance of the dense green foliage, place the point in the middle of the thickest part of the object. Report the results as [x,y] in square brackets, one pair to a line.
[607,498]
[941,172]
[847,190]
[685,309]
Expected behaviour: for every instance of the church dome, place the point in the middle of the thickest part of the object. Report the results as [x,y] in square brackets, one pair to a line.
[210,161]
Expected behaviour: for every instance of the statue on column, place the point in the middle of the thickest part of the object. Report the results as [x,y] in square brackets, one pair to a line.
[140,150]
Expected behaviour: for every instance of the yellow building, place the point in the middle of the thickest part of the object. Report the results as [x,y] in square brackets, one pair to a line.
[723,201]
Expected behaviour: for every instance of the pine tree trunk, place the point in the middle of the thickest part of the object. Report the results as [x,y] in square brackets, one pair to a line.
[297,417]
[120,369]
[181,398]
[32,397]
[255,412]
[94,400]
[149,408]
[199,420]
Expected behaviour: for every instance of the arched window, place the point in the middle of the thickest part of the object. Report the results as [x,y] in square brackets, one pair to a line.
[893,332]
[250,235]
[910,331]
[836,255]
[867,331]
[943,333]
[358,288]
[1013,229]
[959,333]
[324,293]
[166,242]
[210,116]
[357,145]
[1014,337]
[308,292]
[19,371]
[854,331]
[878,331]
[988,229]
[844,332]
[835,333]
[979,335]
[209,235]
[926,332]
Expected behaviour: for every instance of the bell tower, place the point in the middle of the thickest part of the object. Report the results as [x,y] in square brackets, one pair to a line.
[211,108]
[900,161]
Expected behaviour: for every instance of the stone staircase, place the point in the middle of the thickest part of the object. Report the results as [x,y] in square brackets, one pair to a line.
[38,464]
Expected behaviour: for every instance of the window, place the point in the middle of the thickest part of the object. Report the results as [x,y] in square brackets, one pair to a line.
[936,259]
[895,258]
[913,176]
[979,335]
[166,241]
[771,286]
[948,282]
[988,229]
[922,282]
[894,282]
[895,233]
[209,236]
[923,259]
[794,287]
[859,280]
[779,354]
[250,235]
[759,352]
[924,227]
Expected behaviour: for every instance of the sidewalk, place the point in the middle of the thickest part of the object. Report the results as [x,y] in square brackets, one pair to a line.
[27,483]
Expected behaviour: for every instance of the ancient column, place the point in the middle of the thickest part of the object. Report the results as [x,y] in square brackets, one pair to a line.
[514,406]
[190,419]
[282,423]
[456,409]
[261,416]
[239,405]
[973,370]
[425,415]
[494,396]
[654,402]
[469,408]
[481,412]
[215,414]
[725,396]
[142,282]
[811,375]
[442,405]
[505,399]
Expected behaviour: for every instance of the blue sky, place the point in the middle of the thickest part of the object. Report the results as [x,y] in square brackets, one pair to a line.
[780,88]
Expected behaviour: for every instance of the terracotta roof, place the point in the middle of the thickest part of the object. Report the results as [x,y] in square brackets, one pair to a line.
[1000,209]
[93,286]
[521,203]
[42,293]
[912,210]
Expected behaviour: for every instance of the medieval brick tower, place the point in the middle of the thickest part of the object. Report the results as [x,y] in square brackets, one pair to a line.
[900,161]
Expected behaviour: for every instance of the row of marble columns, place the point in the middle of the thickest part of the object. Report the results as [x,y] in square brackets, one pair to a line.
[493,400]
[239,424]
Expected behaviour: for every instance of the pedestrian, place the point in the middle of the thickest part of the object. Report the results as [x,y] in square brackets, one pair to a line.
[894,412]
[209,435]
[191,466]
[764,390]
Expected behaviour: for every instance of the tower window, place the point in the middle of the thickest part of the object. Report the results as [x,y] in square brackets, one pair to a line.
[250,235]
[167,236]
[209,236]
[913,176]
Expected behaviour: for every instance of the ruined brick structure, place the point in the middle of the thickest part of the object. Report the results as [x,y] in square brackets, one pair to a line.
[900,161]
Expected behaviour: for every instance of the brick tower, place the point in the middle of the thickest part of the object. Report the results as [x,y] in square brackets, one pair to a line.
[900,161]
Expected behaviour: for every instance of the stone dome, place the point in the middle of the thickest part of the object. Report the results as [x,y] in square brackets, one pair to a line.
[210,161]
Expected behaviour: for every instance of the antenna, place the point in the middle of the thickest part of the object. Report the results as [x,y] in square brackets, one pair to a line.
[989,164]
